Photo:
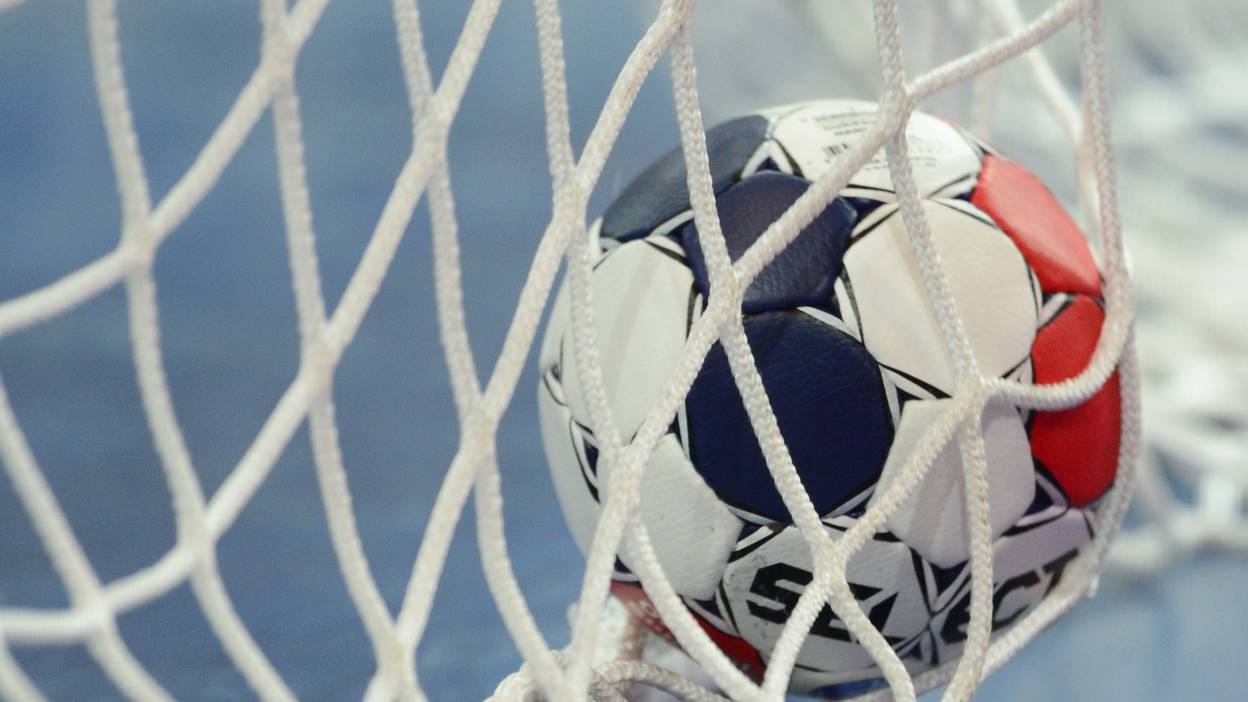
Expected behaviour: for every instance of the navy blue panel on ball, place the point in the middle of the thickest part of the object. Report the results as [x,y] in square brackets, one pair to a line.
[660,192]
[804,272]
[827,395]
[863,205]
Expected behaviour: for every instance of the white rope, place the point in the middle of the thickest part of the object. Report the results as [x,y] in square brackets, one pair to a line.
[608,680]
[70,562]
[75,288]
[310,305]
[572,674]
[180,475]
[14,684]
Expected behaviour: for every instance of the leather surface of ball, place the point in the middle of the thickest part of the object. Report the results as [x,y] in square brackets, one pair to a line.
[856,368]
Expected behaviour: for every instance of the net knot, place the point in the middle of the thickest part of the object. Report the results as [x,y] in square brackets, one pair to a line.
[434,126]
[139,251]
[319,361]
[896,104]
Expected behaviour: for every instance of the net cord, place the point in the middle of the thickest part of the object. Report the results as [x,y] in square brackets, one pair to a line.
[560,676]
[675,610]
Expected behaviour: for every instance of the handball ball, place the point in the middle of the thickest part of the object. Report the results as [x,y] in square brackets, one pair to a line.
[856,368]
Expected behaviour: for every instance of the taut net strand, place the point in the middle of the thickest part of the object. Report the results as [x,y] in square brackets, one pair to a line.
[575,672]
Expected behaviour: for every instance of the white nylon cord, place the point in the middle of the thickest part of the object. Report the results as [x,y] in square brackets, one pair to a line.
[310,306]
[188,498]
[14,683]
[573,674]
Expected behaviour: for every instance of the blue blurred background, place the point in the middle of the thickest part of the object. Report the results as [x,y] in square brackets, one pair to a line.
[231,348]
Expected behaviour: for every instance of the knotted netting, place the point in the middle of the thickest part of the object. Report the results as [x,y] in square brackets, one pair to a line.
[578,671]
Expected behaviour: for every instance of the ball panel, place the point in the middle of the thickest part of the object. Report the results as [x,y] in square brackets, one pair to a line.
[832,413]
[1078,446]
[1026,567]
[690,529]
[815,134]
[847,289]
[551,349]
[660,192]
[991,289]
[762,588]
[846,306]
[1048,504]
[641,308]
[940,585]
[575,484]
[1049,239]
[932,519]
[1051,546]
[803,273]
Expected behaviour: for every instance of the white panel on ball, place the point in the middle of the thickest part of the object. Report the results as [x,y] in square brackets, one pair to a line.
[580,509]
[691,530]
[815,134]
[987,276]
[641,303]
[556,327]
[932,519]
[762,585]
[1026,566]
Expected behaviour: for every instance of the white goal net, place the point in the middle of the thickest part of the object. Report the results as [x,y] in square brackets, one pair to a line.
[1193,481]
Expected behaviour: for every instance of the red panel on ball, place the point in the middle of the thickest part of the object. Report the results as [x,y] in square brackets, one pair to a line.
[738,650]
[1079,445]
[1048,238]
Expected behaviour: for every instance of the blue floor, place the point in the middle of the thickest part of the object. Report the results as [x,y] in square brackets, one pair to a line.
[231,349]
